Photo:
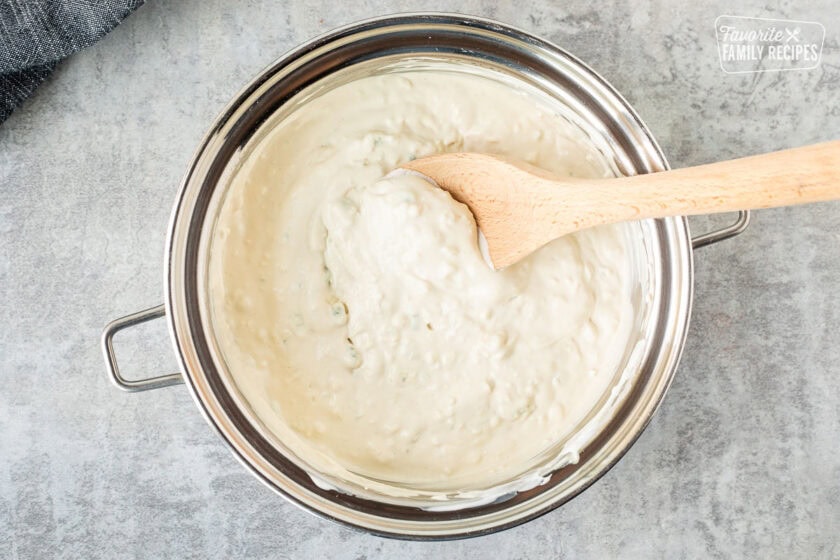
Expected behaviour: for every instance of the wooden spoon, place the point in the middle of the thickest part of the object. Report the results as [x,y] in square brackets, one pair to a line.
[520,208]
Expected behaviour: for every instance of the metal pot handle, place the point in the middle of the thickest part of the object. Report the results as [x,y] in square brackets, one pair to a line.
[725,233]
[111,360]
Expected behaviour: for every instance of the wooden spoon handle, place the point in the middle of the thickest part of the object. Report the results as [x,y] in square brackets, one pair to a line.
[788,177]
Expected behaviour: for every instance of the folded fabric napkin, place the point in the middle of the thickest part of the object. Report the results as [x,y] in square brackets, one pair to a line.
[35,35]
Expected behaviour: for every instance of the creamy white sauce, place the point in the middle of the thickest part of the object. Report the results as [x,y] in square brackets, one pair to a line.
[357,315]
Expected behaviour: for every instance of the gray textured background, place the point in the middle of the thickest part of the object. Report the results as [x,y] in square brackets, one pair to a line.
[741,461]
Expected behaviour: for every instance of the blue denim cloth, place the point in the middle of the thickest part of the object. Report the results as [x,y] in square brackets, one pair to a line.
[35,35]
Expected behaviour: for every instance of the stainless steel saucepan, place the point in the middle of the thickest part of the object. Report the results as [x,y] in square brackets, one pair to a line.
[388,44]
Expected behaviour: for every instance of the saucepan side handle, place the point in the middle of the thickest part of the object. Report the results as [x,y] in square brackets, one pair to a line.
[724,233]
[137,385]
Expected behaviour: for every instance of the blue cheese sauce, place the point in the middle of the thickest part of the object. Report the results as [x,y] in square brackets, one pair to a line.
[357,315]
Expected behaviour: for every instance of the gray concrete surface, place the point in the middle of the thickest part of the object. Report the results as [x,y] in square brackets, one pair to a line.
[740,462]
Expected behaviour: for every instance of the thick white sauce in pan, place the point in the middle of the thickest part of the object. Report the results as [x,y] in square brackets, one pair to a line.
[358,317]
